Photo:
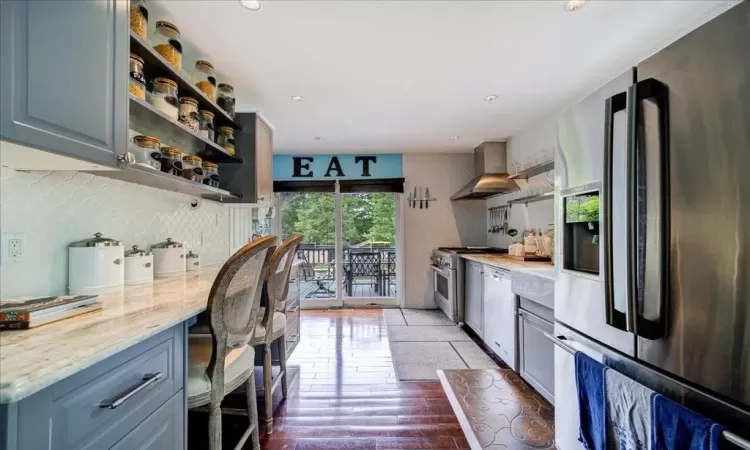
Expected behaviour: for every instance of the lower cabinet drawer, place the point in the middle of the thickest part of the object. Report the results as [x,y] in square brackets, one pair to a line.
[95,408]
[164,429]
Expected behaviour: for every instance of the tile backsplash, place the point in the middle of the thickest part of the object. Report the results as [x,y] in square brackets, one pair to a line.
[54,209]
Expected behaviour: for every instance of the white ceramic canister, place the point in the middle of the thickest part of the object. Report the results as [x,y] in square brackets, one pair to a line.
[169,259]
[193,261]
[95,266]
[139,266]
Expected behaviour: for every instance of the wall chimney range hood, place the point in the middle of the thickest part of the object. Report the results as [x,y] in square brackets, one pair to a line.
[491,169]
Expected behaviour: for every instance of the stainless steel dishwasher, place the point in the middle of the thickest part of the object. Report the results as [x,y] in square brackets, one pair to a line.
[536,360]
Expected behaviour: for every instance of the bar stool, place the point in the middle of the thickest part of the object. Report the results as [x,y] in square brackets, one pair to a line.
[220,360]
[272,326]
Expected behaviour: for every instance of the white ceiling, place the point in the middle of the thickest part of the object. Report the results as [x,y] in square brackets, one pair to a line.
[407,75]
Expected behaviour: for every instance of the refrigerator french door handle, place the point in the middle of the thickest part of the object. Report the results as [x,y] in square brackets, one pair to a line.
[657,92]
[615,318]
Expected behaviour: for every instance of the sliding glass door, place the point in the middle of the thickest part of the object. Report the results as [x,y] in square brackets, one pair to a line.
[349,254]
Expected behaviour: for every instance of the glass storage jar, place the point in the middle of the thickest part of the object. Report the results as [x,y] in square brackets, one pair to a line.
[225,139]
[210,173]
[206,124]
[189,112]
[192,168]
[146,151]
[204,73]
[137,85]
[171,161]
[139,18]
[225,98]
[164,97]
[167,43]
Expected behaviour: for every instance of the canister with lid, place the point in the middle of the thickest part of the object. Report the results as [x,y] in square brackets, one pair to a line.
[189,112]
[192,168]
[225,98]
[147,152]
[193,261]
[137,85]
[171,161]
[164,97]
[204,73]
[225,139]
[169,259]
[139,18]
[95,266]
[206,124]
[168,44]
[139,266]
[210,174]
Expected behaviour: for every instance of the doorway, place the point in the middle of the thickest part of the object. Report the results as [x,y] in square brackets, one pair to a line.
[351,247]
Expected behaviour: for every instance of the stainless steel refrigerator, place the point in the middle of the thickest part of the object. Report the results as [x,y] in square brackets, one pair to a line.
[653,227]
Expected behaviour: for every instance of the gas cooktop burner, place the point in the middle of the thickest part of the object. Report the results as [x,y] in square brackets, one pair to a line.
[473,249]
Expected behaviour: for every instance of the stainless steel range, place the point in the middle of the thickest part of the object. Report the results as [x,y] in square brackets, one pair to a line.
[448,278]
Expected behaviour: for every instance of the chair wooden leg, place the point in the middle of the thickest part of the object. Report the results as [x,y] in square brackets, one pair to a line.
[268,388]
[252,411]
[214,426]
[282,358]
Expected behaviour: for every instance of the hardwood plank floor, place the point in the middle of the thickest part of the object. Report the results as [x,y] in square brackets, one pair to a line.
[345,394]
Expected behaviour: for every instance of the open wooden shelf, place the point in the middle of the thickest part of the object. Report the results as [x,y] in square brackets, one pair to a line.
[146,118]
[156,66]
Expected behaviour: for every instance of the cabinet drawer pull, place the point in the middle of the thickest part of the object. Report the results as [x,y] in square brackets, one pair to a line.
[148,380]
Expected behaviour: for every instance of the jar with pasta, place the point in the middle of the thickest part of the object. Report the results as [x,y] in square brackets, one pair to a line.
[206,124]
[137,85]
[206,80]
[225,98]
[210,174]
[168,44]
[164,97]
[225,139]
[189,112]
[171,161]
[146,151]
[192,168]
[139,18]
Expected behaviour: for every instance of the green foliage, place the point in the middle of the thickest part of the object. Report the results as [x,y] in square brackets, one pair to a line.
[366,217]
[583,208]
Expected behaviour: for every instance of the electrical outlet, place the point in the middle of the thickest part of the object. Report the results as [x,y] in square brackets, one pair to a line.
[12,248]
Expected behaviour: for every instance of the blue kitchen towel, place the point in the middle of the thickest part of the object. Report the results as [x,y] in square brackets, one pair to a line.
[591,402]
[675,427]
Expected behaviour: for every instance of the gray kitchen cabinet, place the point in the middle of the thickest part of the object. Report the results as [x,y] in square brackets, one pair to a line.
[106,404]
[473,296]
[536,352]
[63,80]
[252,180]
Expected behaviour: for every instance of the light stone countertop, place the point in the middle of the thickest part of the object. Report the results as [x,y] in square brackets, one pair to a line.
[505,262]
[31,360]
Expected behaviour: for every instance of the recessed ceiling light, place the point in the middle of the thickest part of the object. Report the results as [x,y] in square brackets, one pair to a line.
[318,138]
[454,138]
[491,98]
[575,5]
[252,5]
[297,98]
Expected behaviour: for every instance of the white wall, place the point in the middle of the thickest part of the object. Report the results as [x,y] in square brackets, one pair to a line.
[535,143]
[445,223]
[56,208]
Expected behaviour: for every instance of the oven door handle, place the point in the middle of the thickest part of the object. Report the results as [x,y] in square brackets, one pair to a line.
[442,271]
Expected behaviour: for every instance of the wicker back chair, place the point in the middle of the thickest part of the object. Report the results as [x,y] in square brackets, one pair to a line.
[221,361]
[273,324]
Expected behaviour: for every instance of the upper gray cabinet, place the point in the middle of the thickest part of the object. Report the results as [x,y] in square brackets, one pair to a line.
[252,181]
[63,78]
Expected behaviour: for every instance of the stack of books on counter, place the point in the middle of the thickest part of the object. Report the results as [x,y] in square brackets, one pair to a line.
[23,314]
